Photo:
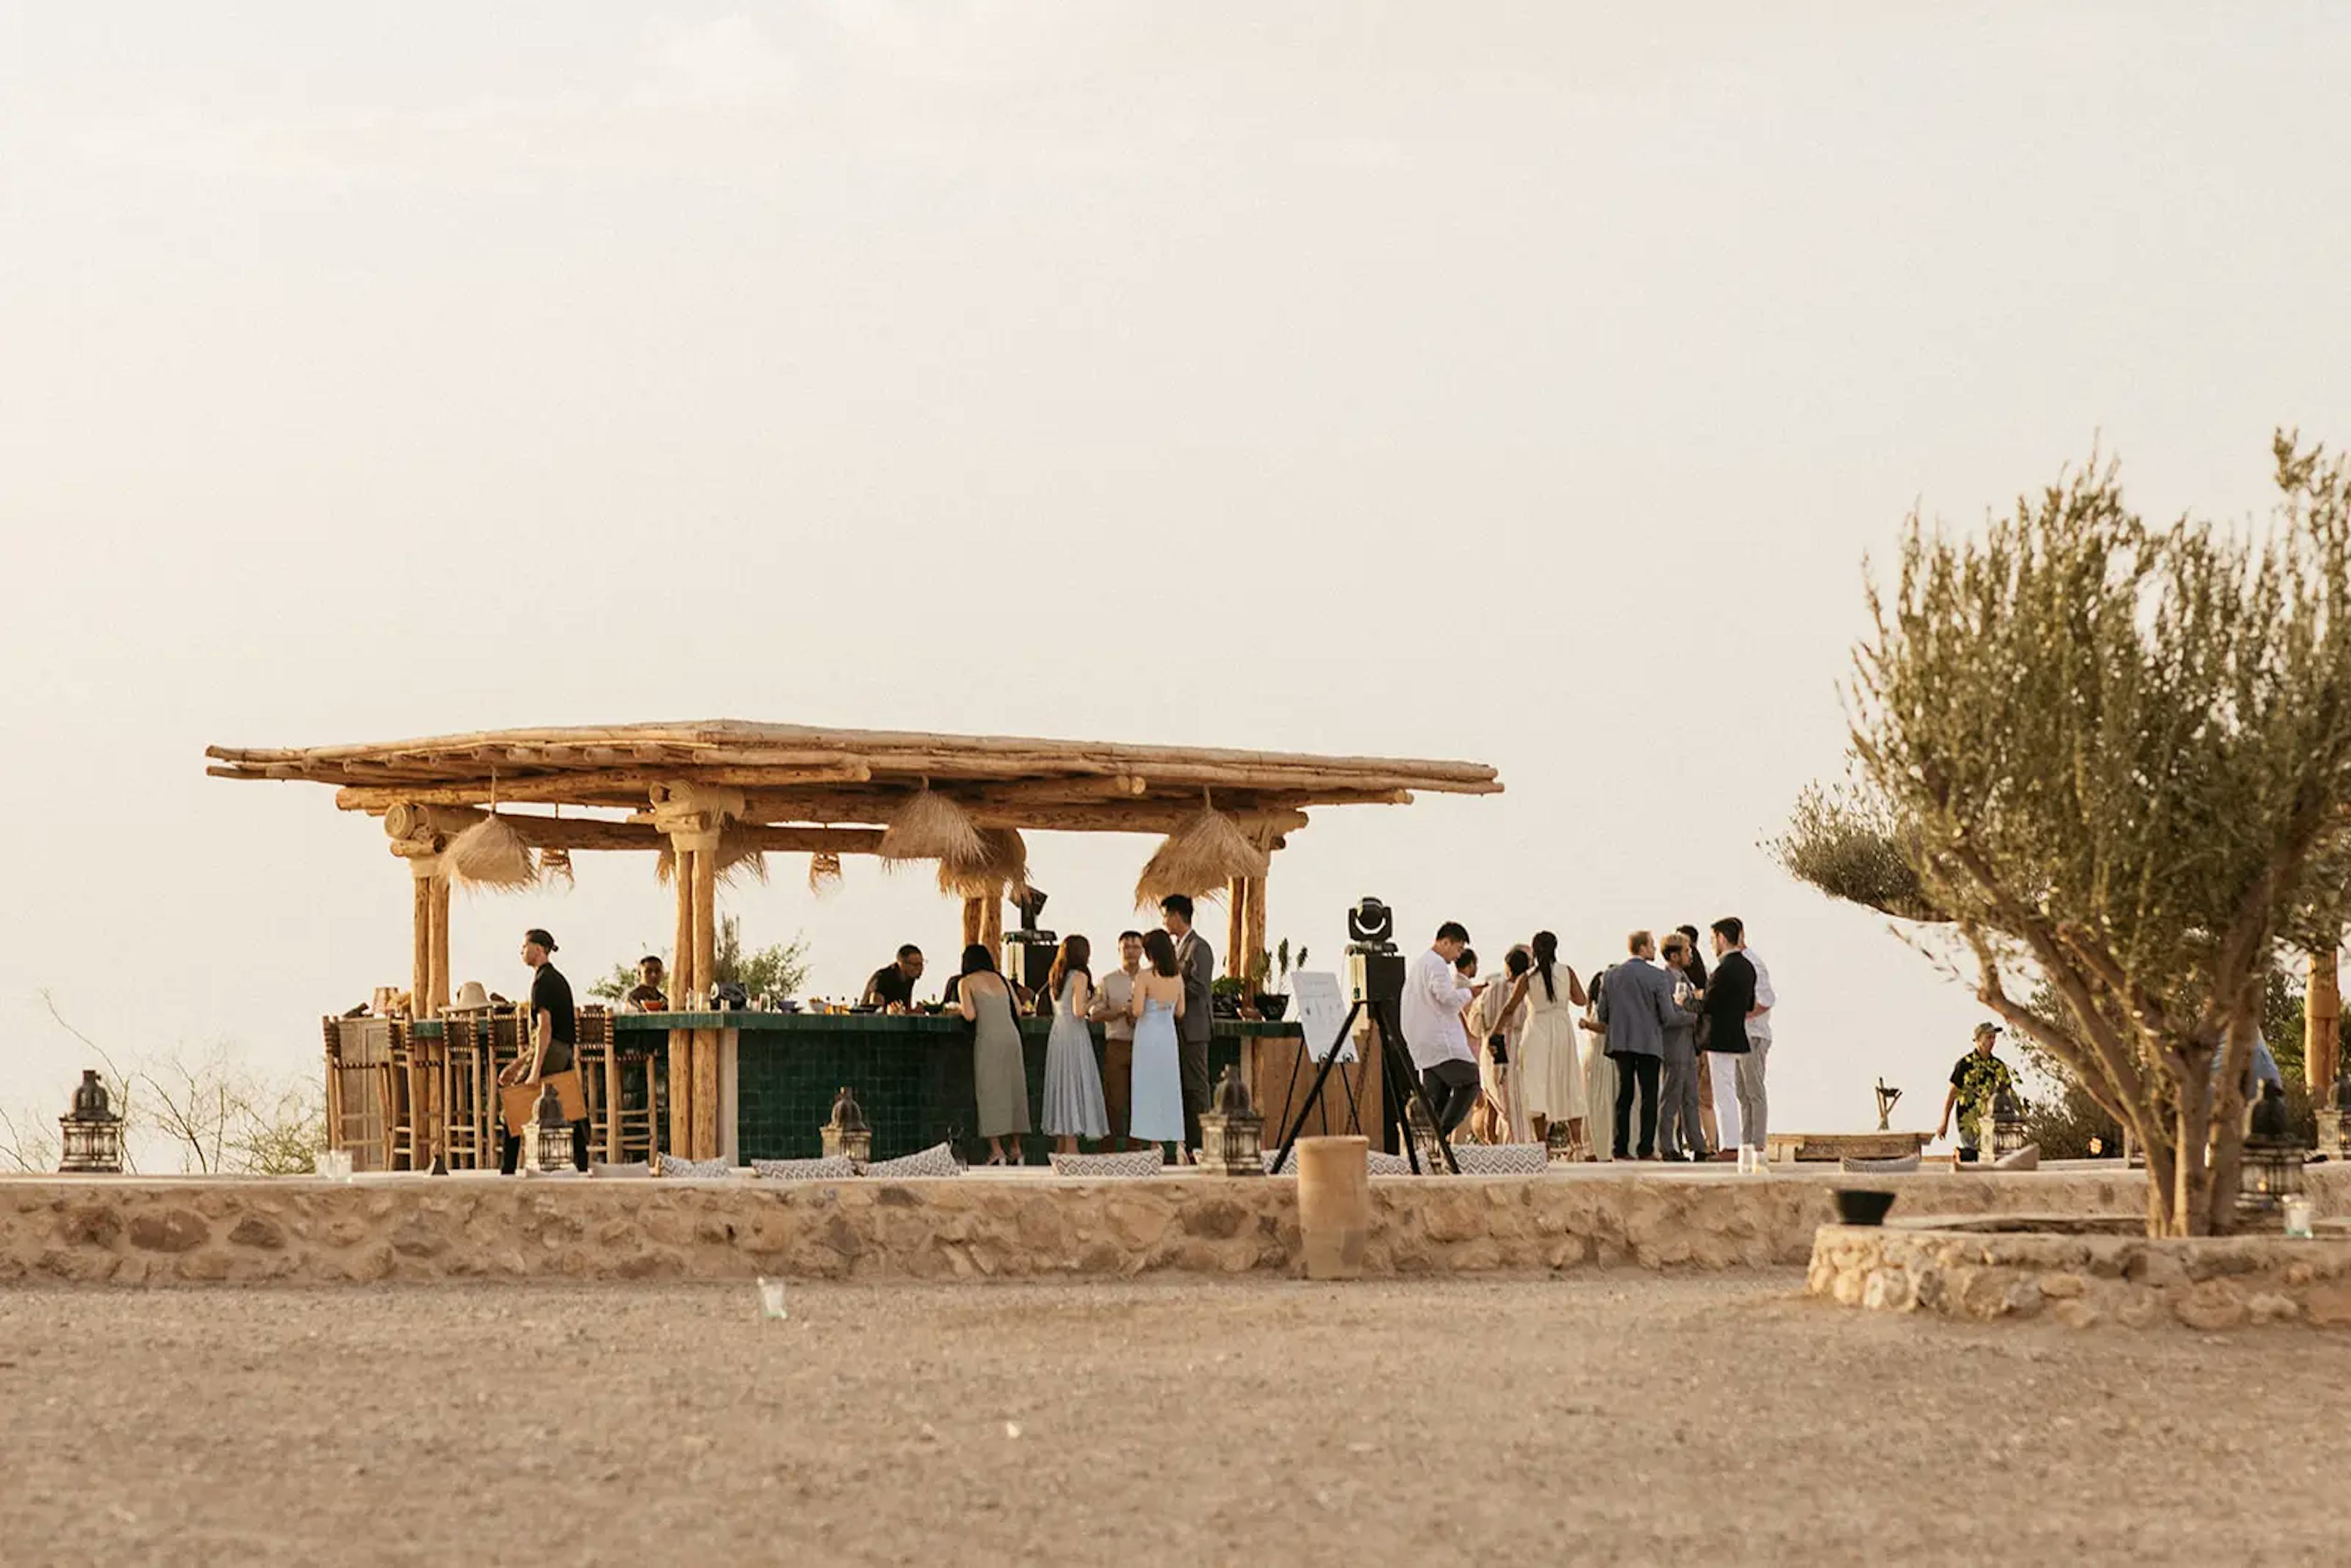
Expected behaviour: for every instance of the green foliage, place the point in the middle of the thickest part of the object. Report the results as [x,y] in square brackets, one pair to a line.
[2117,760]
[779,969]
[1842,841]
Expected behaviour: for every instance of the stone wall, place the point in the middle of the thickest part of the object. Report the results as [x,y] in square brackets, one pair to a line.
[138,1231]
[2086,1279]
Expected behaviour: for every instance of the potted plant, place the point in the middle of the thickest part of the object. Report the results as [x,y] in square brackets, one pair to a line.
[1271,1003]
[1225,997]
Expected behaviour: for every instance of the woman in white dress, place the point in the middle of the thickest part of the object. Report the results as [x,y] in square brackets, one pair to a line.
[1498,1012]
[1158,1102]
[1550,1077]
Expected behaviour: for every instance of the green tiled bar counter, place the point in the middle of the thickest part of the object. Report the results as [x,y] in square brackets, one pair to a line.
[912,1073]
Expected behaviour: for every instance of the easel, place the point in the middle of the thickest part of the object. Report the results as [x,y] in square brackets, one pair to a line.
[1399,1084]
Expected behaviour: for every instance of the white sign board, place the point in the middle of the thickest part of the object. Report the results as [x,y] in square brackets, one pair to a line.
[1320,1010]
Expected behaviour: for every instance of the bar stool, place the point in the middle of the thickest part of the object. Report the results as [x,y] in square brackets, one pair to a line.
[636,1122]
[400,1097]
[465,1096]
[598,1082]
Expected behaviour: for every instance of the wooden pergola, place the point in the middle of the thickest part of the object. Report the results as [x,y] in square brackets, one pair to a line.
[792,787]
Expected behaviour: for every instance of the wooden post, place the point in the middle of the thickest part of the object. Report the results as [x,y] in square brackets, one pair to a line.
[423,884]
[440,946]
[681,1000]
[991,924]
[704,1119]
[1253,928]
[1235,925]
[971,919]
[2322,1022]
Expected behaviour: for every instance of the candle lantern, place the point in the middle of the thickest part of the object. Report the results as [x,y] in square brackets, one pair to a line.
[547,1136]
[89,1137]
[1232,1133]
[1423,1133]
[2007,1125]
[2335,1120]
[845,1133]
[2270,1171]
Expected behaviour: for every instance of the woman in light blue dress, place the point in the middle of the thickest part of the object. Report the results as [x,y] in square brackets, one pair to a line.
[1158,1097]
[1074,1090]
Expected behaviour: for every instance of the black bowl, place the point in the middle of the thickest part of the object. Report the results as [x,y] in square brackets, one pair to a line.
[1855,1205]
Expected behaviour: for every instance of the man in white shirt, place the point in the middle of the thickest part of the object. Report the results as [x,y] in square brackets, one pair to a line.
[1109,1009]
[1433,997]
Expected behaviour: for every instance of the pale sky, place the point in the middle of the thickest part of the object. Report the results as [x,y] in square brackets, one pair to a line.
[1516,383]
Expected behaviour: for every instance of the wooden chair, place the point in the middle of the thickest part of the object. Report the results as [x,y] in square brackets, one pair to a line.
[400,1099]
[468,1103]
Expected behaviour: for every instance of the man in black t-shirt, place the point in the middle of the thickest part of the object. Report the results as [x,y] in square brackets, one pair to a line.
[892,985]
[552,1046]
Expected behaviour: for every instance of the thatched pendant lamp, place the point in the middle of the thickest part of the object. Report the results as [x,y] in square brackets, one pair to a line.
[1003,862]
[824,873]
[1200,858]
[490,854]
[556,864]
[932,827]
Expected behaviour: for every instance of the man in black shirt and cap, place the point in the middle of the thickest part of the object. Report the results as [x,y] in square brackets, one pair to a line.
[553,1046]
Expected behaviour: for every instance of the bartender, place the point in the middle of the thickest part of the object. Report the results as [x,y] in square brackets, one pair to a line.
[892,985]
[649,995]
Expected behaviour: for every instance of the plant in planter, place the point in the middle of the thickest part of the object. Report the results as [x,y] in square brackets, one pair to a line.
[1225,997]
[1264,976]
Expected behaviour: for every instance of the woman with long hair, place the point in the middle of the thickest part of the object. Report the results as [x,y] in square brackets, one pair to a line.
[1074,1090]
[1157,1099]
[1550,1077]
[1599,1067]
[1000,1077]
[1499,1015]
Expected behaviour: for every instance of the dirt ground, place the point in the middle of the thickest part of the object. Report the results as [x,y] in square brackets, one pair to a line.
[1621,1417]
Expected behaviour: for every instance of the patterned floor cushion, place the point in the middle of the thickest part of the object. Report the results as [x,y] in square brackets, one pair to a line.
[2027,1158]
[835,1167]
[1880,1167]
[1127,1162]
[637,1169]
[1501,1159]
[678,1168]
[1378,1162]
[936,1161]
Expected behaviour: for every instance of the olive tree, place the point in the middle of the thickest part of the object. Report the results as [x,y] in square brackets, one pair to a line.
[2114,760]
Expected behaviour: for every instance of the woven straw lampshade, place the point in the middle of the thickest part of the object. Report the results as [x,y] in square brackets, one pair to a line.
[824,873]
[932,827]
[1199,859]
[490,854]
[1003,862]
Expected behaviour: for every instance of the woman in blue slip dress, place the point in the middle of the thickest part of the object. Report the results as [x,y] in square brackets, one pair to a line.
[1073,1089]
[1159,1096]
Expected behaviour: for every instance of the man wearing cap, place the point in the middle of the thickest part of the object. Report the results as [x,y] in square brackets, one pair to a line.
[554,1036]
[1978,1080]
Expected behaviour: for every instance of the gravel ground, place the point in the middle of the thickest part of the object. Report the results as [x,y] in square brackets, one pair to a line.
[1619,1418]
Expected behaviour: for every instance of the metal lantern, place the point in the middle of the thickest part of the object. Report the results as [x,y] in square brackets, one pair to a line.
[89,1137]
[2007,1125]
[547,1136]
[845,1133]
[1232,1134]
[2335,1120]
[2270,1170]
[1423,1133]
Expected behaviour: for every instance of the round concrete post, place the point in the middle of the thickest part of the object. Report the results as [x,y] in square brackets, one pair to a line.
[1334,1205]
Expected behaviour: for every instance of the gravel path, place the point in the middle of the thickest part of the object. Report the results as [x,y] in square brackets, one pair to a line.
[1620,1417]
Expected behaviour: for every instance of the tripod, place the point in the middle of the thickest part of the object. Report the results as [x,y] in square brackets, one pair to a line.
[1399,1083]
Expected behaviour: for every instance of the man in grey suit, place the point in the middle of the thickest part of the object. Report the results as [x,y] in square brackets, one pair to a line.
[1198,963]
[1637,1007]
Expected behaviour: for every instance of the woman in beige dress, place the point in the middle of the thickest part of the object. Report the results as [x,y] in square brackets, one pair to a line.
[1000,1074]
[1499,1010]
[1599,1067]
[1549,1076]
